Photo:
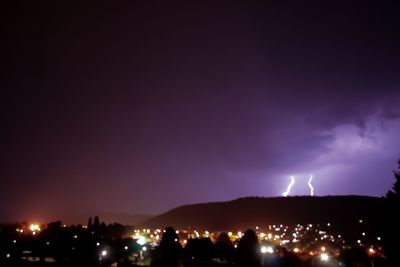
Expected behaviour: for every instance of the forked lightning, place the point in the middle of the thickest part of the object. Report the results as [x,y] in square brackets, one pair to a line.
[287,192]
[292,181]
[310,185]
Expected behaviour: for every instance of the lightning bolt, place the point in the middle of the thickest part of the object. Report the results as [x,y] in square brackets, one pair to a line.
[287,192]
[310,185]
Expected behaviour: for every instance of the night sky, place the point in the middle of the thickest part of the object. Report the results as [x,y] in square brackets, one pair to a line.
[142,106]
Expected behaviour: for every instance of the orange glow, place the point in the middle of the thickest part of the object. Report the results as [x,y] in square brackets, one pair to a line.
[34,227]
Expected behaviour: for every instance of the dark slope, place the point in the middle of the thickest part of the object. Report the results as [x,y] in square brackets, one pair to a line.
[242,213]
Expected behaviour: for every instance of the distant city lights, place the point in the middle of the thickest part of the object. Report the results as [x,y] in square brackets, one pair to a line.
[267,249]
[371,251]
[325,245]
[34,227]
[141,240]
[324,257]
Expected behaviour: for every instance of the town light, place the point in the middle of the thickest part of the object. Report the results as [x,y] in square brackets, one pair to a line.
[324,257]
[268,249]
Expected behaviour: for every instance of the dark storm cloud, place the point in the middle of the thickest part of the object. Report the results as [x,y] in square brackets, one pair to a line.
[142,107]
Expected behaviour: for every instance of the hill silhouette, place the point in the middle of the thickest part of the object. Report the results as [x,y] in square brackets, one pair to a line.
[250,212]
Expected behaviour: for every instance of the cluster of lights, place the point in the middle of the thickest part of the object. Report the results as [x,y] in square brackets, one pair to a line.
[141,240]
[34,228]
[267,249]
[269,236]
[324,257]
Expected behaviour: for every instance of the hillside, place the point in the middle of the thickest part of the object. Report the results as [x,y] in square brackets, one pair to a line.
[242,213]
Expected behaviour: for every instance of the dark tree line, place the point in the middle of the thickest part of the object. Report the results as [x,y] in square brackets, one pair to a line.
[202,252]
[68,246]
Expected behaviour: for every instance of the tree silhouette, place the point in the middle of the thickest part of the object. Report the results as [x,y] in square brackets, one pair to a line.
[392,222]
[393,194]
[168,253]
[223,248]
[248,250]
[96,223]
[90,224]
[199,251]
